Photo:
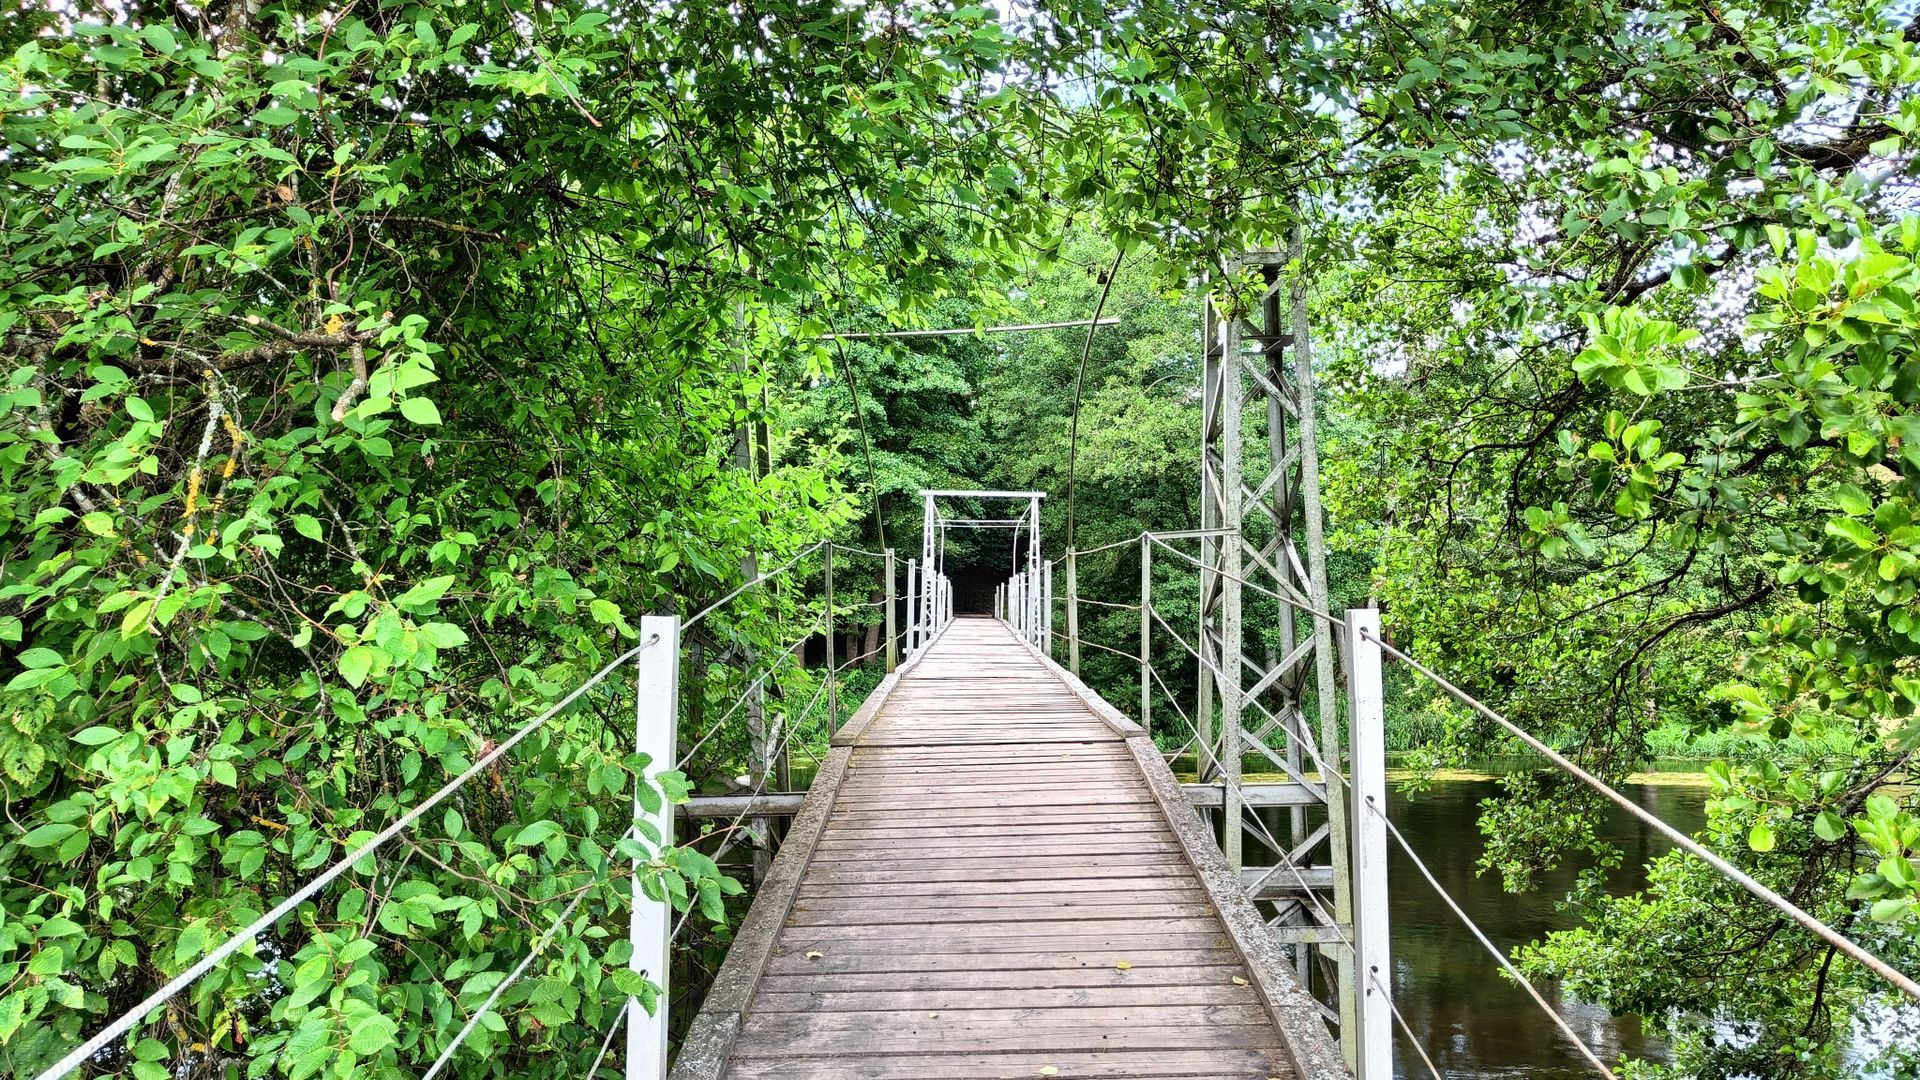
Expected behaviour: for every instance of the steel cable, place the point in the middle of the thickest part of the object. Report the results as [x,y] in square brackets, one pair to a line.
[513,976]
[129,1018]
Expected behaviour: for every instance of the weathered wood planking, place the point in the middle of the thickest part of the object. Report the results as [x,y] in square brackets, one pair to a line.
[993,888]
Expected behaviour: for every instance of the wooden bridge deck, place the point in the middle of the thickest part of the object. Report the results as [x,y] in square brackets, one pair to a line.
[990,880]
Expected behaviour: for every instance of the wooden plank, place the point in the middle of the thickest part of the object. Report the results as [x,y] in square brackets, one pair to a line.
[1105,938]
[1001,979]
[933,1036]
[1004,917]
[1254,1064]
[999,890]
[1057,997]
[853,1023]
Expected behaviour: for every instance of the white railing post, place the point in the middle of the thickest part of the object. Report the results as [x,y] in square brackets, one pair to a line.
[1146,636]
[913,607]
[833,681]
[650,931]
[893,643]
[1046,609]
[1366,716]
[1073,612]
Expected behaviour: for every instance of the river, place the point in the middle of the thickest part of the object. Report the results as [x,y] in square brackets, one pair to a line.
[1472,1021]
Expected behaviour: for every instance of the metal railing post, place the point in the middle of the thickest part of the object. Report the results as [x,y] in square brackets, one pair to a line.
[1146,633]
[833,690]
[1073,612]
[893,643]
[913,607]
[1046,609]
[1367,740]
[650,927]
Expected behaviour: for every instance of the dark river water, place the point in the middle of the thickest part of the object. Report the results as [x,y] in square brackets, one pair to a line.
[1472,1020]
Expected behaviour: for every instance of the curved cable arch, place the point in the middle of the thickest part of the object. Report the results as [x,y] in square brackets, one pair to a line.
[1079,380]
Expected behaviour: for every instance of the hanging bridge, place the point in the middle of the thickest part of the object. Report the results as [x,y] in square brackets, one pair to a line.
[995,872]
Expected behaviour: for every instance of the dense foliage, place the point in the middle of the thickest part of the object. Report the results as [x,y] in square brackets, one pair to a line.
[368,370]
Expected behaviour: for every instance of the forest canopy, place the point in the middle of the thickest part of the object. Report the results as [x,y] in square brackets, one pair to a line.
[370,367]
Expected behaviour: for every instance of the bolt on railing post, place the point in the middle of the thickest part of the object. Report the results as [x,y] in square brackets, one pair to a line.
[1146,633]
[1073,612]
[650,928]
[893,643]
[1372,966]
[833,690]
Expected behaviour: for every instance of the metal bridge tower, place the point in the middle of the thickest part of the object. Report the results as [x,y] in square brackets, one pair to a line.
[1258,359]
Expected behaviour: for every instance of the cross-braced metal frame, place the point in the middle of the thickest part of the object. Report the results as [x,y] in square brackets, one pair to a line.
[1257,383]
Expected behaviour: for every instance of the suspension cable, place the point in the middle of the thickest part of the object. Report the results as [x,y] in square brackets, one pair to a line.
[1086,350]
[186,978]
[866,445]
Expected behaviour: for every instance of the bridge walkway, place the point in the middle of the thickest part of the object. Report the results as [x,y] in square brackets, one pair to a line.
[995,875]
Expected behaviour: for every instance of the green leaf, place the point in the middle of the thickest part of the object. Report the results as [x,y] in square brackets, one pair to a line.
[12,1014]
[426,593]
[1828,826]
[1889,909]
[40,658]
[95,736]
[48,835]
[1761,838]
[536,833]
[355,664]
[370,1034]
[135,620]
[420,410]
[1859,533]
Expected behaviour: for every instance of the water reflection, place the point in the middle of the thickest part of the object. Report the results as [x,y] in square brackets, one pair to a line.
[1472,1020]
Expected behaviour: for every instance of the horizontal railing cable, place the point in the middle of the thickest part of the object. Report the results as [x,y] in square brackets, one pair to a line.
[792,725]
[125,1022]
[1254,585]
[757,580]
[513,976]
[1081,552]
[1333,777]
[785,658]
[1806,920]
[865,656]
[1100,603]
[1845,945]
[1090,644]
[613,1030]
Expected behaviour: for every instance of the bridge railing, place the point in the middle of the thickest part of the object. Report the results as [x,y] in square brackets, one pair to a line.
[747,650]
[1363,648]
